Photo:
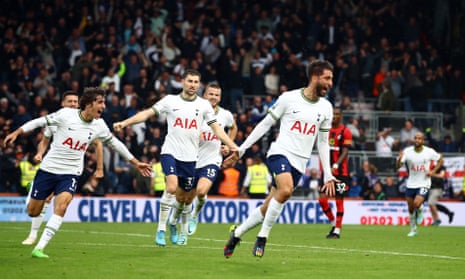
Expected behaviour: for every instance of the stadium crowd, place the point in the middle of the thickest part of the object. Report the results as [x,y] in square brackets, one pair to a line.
[383,51]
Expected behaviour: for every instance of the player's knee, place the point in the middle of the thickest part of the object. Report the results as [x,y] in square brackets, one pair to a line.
[285,193]
[33,212]
[202,192]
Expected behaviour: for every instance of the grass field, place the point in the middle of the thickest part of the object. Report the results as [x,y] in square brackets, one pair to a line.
[127,250]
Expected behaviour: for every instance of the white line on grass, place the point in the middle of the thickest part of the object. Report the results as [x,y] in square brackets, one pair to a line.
[277,246]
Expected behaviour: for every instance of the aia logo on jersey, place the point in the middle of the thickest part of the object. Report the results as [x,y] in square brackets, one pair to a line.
[77,145]
[418,168]
[185,123]
[304,128]
[207,136]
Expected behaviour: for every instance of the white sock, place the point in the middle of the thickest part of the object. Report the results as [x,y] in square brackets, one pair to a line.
[177,209]
[199,205]
[272,214]
[185,212]
[337,230]
[255,218]
[413,221]
[165,204]
[50,229]
[37,221]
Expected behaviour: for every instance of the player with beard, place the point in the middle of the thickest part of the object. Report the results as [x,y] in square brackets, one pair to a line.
[340,140]
[417,160]
[63,164]
[185,114]
[305,117]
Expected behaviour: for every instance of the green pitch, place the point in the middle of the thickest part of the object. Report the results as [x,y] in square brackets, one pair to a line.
[127,250]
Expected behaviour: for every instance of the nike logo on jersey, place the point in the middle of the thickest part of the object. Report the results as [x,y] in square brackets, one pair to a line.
[176,109]
[295,111]
[71,129]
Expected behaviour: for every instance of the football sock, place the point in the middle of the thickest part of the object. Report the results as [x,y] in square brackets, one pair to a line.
[166,201]
[37,221]
[274,210]
[177,209]
[255,218]
[443,209]
[339,214]
[413,221]
[199,205]
[324,203]
[50,229]
[184,214]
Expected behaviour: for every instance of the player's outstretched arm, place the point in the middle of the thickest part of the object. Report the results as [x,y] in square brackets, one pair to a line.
[221,134]
[144,168]
[99,152]
[141,116]
[11,137]
[41,148]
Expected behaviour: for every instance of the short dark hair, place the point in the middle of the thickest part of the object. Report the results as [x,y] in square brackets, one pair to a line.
[89,95]
[318,66]
[191,72]
[69,93]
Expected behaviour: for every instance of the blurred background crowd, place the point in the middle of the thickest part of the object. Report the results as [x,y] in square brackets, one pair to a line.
[390,56]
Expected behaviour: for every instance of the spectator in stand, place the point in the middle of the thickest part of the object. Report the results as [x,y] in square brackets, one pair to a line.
[259,110]
[367,179]
[229,185]
[390,188]
[360,142]
[378,193]
[346,103]
[258,179]
[386,99]
[272,81]
[396,80]
[385,143]
[22,116]
[355,188]
[407,133]
[447,144]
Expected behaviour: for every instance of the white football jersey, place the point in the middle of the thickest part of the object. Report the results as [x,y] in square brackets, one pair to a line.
[72,138]
[184,120]
[418,164]
[301,120]
[210,145]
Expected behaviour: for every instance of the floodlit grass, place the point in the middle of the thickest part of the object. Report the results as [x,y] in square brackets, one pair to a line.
[127,250]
